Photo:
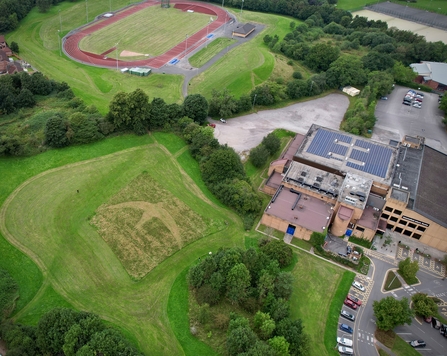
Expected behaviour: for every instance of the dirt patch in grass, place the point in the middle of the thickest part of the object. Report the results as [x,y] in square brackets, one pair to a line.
[131,54]
[386,337]
[144,224]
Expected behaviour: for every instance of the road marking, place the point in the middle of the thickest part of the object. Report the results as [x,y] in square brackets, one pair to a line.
[403,333]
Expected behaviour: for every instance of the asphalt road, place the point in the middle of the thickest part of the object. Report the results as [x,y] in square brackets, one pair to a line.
[365,325]
[394,120]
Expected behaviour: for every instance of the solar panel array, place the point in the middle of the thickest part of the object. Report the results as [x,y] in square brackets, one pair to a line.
[325,142]
[376,160]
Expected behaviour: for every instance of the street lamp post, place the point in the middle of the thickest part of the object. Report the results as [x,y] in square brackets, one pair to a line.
[207,27]
[86,9]
[60,21]
[254,101]
[59,41]
[242,5]
[116,47]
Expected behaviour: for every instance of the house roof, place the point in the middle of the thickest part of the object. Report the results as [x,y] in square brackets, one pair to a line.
[435,71]
[246,29]
[3,56]
[2,38]
[431,195]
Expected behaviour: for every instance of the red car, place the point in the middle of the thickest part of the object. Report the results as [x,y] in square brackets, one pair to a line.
[350,304]
[212,125]
[354,299]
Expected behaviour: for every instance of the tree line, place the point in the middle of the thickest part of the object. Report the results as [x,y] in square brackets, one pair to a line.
[254,281]
[66,332]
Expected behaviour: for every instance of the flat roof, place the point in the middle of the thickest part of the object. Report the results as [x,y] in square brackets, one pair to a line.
[431,195]
[293,146]
[344,152]
[309,212]
[369,218]
[313,179]
[406,174]
[355,190]
[140,70]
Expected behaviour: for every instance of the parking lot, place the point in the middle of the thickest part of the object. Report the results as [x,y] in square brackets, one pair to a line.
[436,343]
[356,335]
[394,120]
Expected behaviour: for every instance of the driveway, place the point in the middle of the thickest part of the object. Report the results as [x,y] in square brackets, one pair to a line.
[394,120]
[245,132]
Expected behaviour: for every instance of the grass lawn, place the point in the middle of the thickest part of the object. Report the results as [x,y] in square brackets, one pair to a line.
[391,281]
[148,31]
[398,346]
[430,5]
[247,65]
[319,291]
[205,54]
[37,36]
[78,267]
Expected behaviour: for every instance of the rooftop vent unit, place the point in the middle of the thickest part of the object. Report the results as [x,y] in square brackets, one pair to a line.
[301,179]
[304,174]
[406,188]
[329,154]
[316,185]
[367,150]
[319,179]
[351,200]
[335,140]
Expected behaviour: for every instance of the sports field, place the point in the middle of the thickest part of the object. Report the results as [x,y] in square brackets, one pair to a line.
[151,31]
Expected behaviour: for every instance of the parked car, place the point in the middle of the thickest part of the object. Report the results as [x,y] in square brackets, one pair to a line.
[420,94]
[348,250]
[223,120]
[342,254]
[383,98]
[350,304]
[359,286]
[436,323]
[354,299]
[418,343]
[212,125]
[408,103]
[427,319]
[417,105]
[344,341]
[418,100]
[346,328]
[345,350]
[346,315]
[443,330]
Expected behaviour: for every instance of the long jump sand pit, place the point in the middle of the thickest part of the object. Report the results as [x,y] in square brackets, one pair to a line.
[431,34]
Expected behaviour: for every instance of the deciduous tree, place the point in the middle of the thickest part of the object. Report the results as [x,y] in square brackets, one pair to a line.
[391,312]
[259,155]
[195,107]
[238,281]
[424,305]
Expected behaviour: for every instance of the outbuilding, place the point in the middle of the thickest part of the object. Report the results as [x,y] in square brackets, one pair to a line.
[142,72]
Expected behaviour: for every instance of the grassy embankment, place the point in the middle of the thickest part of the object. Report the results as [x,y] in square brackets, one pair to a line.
[56,232]
[37,36]
[249,64]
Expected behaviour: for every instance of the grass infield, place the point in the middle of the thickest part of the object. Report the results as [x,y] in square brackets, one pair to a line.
[151,31]
[37,36]
[205,54]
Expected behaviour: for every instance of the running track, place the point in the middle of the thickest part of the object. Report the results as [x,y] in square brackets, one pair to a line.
[71,42]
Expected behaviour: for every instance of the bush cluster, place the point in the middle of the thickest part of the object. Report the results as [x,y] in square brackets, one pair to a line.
[65,332]
[253,280]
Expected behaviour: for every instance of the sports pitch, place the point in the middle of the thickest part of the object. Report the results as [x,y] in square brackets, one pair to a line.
[151,31]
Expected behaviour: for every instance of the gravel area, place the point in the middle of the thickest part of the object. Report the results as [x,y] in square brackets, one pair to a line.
[245,132]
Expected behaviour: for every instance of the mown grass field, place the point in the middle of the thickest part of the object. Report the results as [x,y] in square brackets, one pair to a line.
[430,5]
[317,289]
[205,54]
[247,65]
[75,261]
[151,31]
[37,37]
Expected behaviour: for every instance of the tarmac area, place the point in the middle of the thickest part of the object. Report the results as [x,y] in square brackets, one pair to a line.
[245,132]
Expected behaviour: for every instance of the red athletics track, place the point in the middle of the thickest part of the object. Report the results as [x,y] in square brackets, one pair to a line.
[72,50]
